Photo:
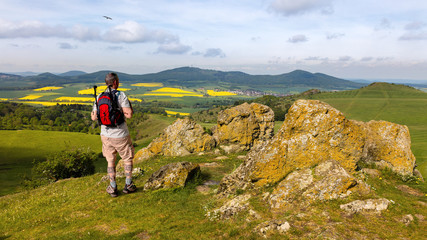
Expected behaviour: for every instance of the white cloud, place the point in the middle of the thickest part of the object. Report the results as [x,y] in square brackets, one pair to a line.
[345,59]
[64,45]
[214,52]
[414,36]
[28,29]
[294,7]
[298,38]
[330,36]
[414,31]
[115,48]
[384,24]
[133,32]
[416,25]
[367,59]
[173,48]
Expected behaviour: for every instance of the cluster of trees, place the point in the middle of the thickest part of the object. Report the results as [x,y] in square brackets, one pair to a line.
[70,118]
[62,165]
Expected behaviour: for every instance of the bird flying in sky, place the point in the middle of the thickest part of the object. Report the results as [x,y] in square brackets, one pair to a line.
[108,18]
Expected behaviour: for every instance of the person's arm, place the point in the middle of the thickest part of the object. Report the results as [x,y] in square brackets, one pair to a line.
[126,105]
[128,112]
[93,115]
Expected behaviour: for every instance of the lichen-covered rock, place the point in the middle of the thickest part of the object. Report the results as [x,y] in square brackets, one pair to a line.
[181,138]
[314,132]
[389,145]
[326,181]
[230,208]
[270,227]
[376,205]
[172,175]
[246,125]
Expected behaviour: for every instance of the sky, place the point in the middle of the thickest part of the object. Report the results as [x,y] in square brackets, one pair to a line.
[363,39]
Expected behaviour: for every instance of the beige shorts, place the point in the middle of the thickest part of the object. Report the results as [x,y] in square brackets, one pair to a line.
[112,146]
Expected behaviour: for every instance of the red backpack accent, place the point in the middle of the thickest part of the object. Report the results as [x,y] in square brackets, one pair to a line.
[109,113]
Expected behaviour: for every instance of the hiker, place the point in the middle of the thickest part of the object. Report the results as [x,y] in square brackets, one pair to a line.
[115,136]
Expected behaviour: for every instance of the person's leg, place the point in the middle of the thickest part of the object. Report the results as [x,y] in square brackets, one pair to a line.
[126,151]
[110,153]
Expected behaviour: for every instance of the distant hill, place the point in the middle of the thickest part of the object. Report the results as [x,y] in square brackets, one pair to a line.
[72,74]
[296,81]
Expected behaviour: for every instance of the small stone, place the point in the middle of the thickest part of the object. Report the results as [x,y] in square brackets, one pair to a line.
[407,219]
[366,205]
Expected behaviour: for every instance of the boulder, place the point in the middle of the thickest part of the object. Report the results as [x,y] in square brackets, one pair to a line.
[244,125]
[172,175]
[326,181]
[389,145]
[314,132]
[267,228]
[230,208]
[370,205]
[181,138]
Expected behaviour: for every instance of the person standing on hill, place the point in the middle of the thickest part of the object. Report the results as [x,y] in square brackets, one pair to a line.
[116,139]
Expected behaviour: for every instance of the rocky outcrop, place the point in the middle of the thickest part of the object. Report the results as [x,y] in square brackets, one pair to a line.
[315,132]
[244,125]
[326,181]
[181,138]
[389,145]
[172,175]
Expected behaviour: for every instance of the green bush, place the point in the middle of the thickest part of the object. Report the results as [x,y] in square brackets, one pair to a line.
[61,165]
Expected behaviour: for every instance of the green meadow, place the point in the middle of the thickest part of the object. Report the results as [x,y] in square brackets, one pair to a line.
[20,148]
[394,103]
[81,209]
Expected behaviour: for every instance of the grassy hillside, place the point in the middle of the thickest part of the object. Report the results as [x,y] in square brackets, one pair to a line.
[390,102]
[81,209]
[20,148]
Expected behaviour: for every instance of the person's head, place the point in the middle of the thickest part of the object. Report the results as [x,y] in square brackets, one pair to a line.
[111,79]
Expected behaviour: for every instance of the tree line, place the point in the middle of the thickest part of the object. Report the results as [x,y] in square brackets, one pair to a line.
[68,118]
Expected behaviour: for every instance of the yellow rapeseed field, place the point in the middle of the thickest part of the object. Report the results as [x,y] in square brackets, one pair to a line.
[175,113]
[55,103]
[148,85]
[173,95]
[76,99]
[89,91]
[4,99]
[47,88]
[30,97]
[135,99]
[219,94]
[172,92]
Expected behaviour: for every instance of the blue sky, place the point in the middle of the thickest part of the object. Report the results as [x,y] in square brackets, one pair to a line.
[364,39]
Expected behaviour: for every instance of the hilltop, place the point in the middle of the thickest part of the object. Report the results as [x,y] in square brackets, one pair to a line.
[190,77]
[391,207]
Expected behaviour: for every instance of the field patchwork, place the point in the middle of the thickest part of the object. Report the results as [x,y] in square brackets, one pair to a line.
[219,94]
[89,91]
[147,85]
[174,113]
[47,89]
[172,92]
[30,97]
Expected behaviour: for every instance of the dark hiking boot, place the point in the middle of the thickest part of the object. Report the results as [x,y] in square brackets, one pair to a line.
[129,188]
[112,191]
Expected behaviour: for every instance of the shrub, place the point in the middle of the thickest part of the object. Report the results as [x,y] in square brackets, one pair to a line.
[61,165]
